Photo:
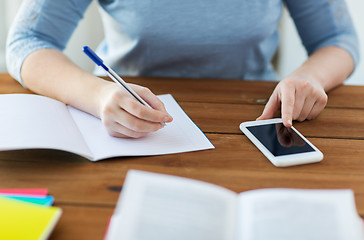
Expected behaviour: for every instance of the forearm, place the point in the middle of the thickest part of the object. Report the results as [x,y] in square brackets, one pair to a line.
[329,66]
[50,73]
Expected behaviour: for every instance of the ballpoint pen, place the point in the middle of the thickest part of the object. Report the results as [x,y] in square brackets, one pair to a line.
[115,77]
[112,74]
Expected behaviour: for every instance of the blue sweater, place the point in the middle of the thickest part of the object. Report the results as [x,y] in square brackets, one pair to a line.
[233,39]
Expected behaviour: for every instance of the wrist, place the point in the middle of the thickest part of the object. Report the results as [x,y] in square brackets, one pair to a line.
[103,92]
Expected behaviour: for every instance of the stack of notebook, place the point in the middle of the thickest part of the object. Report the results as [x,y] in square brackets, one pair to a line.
[27,214]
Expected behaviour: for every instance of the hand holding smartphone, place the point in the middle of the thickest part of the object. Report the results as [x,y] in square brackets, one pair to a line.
[282,146]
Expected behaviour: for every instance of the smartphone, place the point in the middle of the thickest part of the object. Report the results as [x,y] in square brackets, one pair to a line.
[282,146]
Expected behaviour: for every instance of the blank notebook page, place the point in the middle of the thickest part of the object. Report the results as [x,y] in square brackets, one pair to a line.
[181,135]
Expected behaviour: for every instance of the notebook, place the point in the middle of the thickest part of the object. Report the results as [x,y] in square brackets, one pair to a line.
[36,122]
[22,220]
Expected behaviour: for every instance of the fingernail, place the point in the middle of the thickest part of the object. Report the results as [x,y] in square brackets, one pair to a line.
[168,119]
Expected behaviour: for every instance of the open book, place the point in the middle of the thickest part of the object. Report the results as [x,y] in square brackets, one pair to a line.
[161,207]
[36,122]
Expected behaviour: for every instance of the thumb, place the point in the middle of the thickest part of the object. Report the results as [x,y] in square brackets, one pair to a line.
[271,107]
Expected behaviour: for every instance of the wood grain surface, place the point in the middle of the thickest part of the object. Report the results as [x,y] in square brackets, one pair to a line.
[87,192]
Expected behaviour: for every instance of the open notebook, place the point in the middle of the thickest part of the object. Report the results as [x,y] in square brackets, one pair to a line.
[36,122]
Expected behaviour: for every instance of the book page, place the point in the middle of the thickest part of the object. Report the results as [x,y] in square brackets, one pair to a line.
[181,135]
[29,121]
[161,207]
[294,214]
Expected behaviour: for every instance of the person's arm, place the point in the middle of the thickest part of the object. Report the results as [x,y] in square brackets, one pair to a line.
[50,73]
[34,57]
[331,42]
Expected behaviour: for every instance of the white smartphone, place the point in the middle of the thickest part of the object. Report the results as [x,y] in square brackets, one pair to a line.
[282,146]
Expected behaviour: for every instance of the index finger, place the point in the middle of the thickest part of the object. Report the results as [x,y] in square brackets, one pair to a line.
[150,98]
[287,101]
[135,108]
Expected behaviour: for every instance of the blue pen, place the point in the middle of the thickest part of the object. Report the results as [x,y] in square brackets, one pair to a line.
[112,74]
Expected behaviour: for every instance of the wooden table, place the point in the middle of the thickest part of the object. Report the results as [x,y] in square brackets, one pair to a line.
[87,192]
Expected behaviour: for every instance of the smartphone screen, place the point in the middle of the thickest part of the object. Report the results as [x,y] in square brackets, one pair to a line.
[280,140]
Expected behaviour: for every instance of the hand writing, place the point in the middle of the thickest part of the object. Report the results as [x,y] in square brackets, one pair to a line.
[124,116]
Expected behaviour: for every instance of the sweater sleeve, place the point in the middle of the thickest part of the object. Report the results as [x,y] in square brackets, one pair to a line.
[41,24]
[322,23]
